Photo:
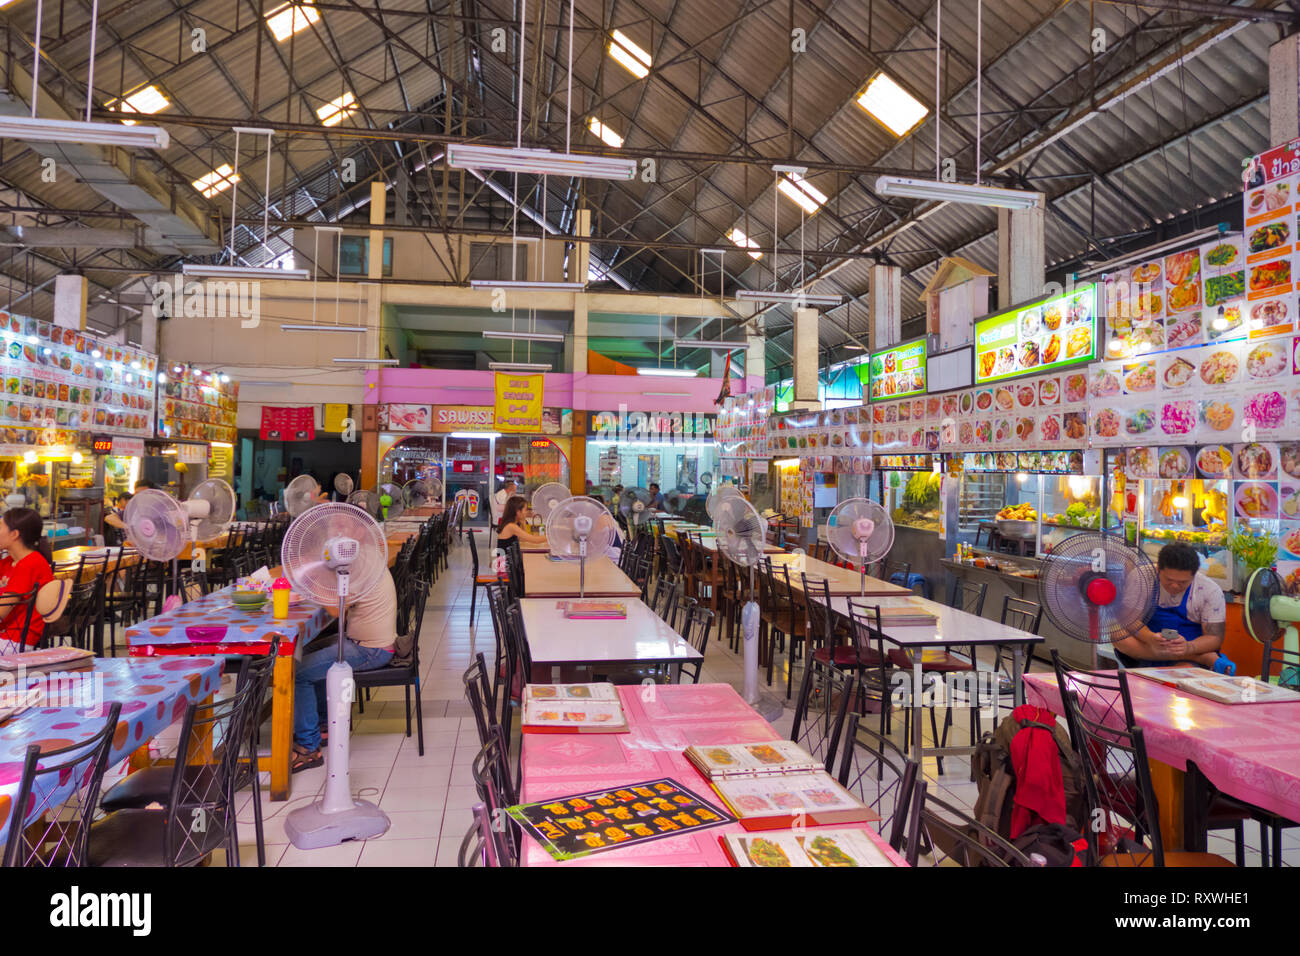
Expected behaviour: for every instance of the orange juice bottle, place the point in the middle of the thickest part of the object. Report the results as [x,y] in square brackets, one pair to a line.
[280,591]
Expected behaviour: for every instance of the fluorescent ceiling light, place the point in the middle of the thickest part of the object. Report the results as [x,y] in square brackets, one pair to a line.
[475,434]
[42,130]
[520,366]
[803,193]
[539,162]
[629,56]
[363,361]
[707,344]
[286,20]
[526,285]
[605,132]
[241,272]
[337,110]
[148,99]
[526,336]
[855,348]
[957,192]
[804,298]
[890,105]
[322,328]
[674,372]
[742,240]
[219,180]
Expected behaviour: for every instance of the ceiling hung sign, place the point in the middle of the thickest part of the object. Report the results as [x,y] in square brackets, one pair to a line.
[518,402]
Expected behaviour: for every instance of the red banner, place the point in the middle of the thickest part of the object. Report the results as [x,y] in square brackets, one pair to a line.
[288,424]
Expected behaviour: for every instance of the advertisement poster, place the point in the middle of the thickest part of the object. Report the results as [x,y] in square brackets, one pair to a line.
[406,418]
[288,424]
[518,402]
[898,371]
[1054,333]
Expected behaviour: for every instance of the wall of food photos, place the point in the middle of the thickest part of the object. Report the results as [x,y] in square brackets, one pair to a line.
[197,406]
[59,381]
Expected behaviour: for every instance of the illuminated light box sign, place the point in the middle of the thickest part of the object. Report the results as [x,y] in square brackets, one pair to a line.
[1048,334]
[898,372]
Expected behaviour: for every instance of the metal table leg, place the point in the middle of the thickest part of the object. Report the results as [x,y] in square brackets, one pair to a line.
[1017,673]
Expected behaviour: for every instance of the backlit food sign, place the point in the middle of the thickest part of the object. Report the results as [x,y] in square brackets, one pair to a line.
[898,371]
[1048,334]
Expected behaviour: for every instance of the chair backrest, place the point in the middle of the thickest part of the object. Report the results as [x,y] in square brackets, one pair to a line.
[817,609]
[24,605]
[491,771]
[695,631]
[1276,657]
[58,794]
[473,552]
[1026,615]
[868,636]
[951,837]
[968,596]
[664,602]
[824,697]
[479,846]
[877,772]
[478,690]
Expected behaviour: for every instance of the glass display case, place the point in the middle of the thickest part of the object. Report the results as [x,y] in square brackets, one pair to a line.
[1192,511]
[912,498]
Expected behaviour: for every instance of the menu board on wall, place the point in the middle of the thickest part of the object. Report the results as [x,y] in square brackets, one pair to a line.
[1042,413]
[1053,333]
[899,371]
[197,407]
[60,380]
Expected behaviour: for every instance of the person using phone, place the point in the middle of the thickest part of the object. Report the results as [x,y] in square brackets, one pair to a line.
[1189,621]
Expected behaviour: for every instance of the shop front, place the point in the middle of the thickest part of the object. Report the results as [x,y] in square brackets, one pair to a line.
[676,451]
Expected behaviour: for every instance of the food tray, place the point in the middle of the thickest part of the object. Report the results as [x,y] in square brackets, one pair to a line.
[1017,529]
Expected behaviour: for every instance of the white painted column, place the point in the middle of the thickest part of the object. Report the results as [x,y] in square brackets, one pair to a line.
[70,301]
[149,331]
[756,354]
[577,341]
[1021,255]
[1284,91]
[806,352]
[885,304]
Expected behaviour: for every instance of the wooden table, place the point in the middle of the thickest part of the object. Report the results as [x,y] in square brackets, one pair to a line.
[544,577]
[843,582]
[95,564]
[660,726]
[1247,751]
[641,638]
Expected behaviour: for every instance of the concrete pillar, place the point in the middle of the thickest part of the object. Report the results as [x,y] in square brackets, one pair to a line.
[1021,252]
[756,355]
[578,454]
[70,301]
[576,343]
[378,208]
[885,304]
[149,331]
[1284,91]
[806,354]
[580,261]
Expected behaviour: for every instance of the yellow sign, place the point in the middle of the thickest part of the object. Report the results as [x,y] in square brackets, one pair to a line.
[334,416]
[519,402]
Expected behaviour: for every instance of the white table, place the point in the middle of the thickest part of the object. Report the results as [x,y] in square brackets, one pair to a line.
[641,638]
[954,628]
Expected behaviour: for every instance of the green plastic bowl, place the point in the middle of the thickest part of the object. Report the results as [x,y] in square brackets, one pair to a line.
[249,599]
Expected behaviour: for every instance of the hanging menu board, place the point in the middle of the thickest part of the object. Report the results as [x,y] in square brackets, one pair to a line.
[899,371]
[1042,413]
[1050,334]
[197,407]
[59,380]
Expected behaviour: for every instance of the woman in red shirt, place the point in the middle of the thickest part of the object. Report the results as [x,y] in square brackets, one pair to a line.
[26,566]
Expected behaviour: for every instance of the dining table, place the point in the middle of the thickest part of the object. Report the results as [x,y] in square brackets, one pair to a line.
[212,624]
[843,582]
[642,638]
[153,694]
[662,722]
[1247,751]
[98,560]
[548,576]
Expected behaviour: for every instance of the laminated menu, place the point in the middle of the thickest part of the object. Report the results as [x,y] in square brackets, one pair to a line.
[847,847]
[778,801]
[599,820]
[747,760]
[49,659]
[14,702]
[595,610]
[1222,688]
[572,709]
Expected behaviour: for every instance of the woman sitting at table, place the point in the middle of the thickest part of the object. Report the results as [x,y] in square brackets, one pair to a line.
[371,635]
[26,565]
[514,523]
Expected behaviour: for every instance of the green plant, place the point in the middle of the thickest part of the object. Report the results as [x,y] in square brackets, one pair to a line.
[1255,551]
[922,489]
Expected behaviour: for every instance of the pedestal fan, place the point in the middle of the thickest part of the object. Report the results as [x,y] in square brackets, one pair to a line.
[419,492]
[1094,587]
[634,506]
[547,497]
[717,495]
[742,533]
[159,526]
[343,484]
[580,527]
[1270,613]
[333,555]
[861,532]
[674,501]
[300,494]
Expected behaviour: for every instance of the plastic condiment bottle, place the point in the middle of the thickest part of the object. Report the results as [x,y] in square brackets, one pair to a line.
[280,591]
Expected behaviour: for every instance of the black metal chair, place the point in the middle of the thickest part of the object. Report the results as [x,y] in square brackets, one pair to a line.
[879,774]
[479,579]
[497,792]
[480,846]
[951,837]
[478,690]
[824,697]
[695,631]
[404,672]
[49,822]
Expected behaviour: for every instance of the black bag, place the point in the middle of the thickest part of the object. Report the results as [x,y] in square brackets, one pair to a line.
[992,772]
[1056,843]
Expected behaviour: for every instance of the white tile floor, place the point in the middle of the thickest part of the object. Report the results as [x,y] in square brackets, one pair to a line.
[428,797]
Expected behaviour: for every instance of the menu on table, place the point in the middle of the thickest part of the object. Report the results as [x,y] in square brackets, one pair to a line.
[572,709]
[599,820]
[1218,687]
[821,847]
[769,756]
[777,801]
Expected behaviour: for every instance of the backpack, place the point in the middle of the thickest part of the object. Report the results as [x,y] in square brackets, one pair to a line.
[1056,843]
[992,772]
[403,650]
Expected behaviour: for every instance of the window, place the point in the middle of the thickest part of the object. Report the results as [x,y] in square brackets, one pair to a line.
[742,240]
[605,133]
[287,19]
[491,260]
[801,192]
[629,56]
[890,105]
[354,256]
[337,110]
[218,180]
[148,99]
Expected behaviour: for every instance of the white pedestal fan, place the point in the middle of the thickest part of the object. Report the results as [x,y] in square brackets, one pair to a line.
[861,532]
[547,497]
[333,555]
[300,494]
[742,533]
[580,527]
[159,526]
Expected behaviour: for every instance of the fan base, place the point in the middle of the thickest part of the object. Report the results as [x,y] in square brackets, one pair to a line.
[768,707]
[311,828]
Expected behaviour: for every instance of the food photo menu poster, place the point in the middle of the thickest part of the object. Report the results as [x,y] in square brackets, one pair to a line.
[1269,184]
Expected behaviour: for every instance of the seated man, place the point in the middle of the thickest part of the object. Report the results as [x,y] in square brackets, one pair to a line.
[1188,622]
[371,635]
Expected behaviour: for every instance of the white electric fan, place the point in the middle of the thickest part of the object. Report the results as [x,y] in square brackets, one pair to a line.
[674,501]
[718,494]
[861,532]
[343,484]
[333,555]
[580,527]
[300,494]
[159,526]
[634,506]
[547,497]
[742,533]
[417,493]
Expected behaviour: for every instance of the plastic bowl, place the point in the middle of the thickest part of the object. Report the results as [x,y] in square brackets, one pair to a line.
[249,598]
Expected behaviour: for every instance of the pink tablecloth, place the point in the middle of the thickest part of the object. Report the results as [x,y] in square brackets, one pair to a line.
[664,720]
[1248,751]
